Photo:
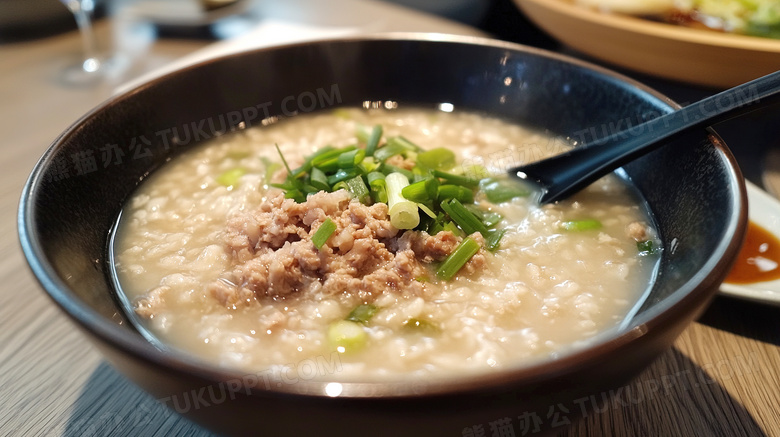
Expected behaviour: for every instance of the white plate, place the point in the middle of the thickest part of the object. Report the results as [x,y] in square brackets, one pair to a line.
[691,55]
[764,210]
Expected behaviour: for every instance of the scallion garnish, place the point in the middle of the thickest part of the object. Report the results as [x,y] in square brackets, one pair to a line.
[434,195]
[500,190]
[463,217]
[439,158]
[321,235]
[231,177]
[362,313]
[358,189]
[403,213]
[581,225]
[373,140]
[457,259]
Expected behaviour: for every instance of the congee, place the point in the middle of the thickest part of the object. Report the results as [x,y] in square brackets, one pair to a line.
[386,238]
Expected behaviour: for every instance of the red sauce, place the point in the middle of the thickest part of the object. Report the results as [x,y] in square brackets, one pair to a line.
[759,259]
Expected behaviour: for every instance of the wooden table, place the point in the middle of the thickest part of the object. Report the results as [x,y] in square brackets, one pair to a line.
[721,377]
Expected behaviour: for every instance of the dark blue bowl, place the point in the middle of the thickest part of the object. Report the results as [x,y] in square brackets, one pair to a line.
[693,187]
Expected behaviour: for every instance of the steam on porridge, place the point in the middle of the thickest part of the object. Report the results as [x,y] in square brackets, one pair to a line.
[400,248]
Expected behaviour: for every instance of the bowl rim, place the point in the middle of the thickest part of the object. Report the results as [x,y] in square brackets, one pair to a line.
[679,303]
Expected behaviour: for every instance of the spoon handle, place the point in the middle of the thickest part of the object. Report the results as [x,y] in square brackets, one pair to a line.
[567,173]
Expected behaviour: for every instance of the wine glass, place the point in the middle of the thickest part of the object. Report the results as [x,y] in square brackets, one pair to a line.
[92,66]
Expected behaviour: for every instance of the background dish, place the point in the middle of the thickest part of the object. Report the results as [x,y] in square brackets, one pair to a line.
[690,55]
[764,210]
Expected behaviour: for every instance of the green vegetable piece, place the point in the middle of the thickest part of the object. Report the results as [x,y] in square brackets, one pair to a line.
[457,259]
[386,169]
[388,150]
[463,181]
[439,158]
[463,217]
[416,192]
[347,336]
[362,313]
[342,175]
[404,143]
[493,240]
[323,233]
[421,326]
[429,212]
[318,180]
[581,225]
[646,248]
[297,195]
[488,218]
[358,189]
[351,158]
[368,165]
[231,177]
[464,195]
[476,172]
[452,227]
[500,190]
[404,214]
[373,140]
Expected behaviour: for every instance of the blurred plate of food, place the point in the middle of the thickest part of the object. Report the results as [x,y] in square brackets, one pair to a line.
[716,43]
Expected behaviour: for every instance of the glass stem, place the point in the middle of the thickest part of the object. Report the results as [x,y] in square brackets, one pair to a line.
[82,11]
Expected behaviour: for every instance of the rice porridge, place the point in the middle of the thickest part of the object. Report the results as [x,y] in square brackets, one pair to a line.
[218,263]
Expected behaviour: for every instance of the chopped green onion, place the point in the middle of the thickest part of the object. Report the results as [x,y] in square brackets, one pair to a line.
[646,248]
[362,133]
[439,158]
[326,229]
[452,227]
[463,217]
[500,190]
[231,177]
[368,165]
[296,195]
[476,171]
[581,225]
[388,150]
[362,313]
[421,326]
[416,192]
[493,240]
[406,144]
[454,179]
[488,218]
[351,158]
[457,259]
[403,213]
[284,161]
[373,141]
[347,336]
[388,168]
[426,210]
[358,189]
[318,179]
[464,195]
[342,175]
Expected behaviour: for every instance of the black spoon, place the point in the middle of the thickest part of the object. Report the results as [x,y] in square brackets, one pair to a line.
[563,175]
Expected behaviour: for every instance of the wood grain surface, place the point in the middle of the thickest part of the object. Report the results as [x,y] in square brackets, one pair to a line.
[721,378]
